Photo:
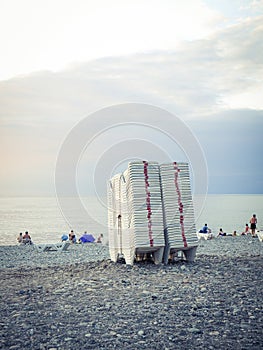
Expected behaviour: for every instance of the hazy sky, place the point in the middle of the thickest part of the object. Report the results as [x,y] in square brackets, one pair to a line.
[62,60]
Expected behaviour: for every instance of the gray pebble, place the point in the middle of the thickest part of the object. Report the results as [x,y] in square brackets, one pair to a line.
[79,303]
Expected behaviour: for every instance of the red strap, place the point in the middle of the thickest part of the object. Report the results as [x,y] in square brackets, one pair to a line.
[148,202]
[180,204]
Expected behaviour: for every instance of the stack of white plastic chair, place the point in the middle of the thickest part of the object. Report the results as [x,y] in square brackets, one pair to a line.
[179,221]
[121,243]
[113,208]
[145,215]
[151,212]
[135,213]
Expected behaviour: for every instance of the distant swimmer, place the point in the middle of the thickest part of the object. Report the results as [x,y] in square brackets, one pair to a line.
[253,225]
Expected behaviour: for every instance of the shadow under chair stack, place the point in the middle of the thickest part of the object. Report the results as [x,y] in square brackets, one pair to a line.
[150,213]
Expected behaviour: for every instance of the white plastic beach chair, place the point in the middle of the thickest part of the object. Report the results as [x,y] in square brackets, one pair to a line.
[260,235]
[205,236]
[60,247]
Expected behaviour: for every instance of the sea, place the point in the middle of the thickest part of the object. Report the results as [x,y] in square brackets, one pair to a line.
[47,218]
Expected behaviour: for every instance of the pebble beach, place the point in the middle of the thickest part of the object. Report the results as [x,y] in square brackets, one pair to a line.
[79,299]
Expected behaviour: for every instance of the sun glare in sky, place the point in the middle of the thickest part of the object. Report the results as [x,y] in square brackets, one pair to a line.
[49,35]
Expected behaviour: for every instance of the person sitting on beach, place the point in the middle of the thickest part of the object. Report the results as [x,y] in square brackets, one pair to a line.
[72,237]
[27,238]
[234,233]
[253,225]
[221,233]
[205,229]
[246,231]
[99,239]
[20,238]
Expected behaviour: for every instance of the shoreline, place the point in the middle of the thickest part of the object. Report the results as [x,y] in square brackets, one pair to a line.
[229,211]
[27,255]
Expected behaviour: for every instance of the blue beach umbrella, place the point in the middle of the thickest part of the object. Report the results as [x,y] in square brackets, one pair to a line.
[87,238]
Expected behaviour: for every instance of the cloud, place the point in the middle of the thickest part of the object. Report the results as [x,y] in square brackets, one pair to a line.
[197,79]
[202,80]
[232,143]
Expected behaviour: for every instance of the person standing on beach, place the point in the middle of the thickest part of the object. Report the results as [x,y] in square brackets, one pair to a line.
[253,224]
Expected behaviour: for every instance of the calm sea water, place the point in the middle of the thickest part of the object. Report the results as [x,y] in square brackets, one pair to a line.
[43,218]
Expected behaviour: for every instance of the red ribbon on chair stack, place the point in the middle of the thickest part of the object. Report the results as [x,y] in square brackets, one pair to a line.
[148,202]
[180,204]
